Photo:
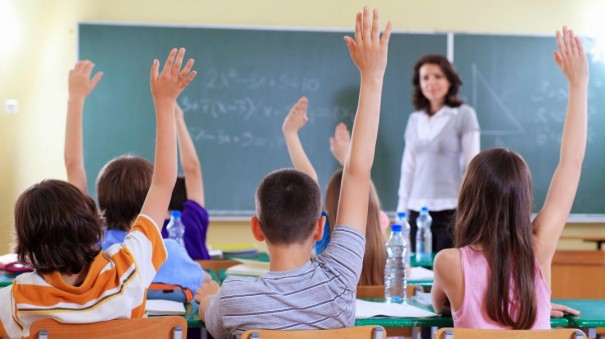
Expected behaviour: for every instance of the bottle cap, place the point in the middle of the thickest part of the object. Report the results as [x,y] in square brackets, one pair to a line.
[175,214]
[424,209]
[401,215]
[395,228]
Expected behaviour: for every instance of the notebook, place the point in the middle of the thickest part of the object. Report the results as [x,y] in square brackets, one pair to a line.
[369,309]
[252,268]
[164,307]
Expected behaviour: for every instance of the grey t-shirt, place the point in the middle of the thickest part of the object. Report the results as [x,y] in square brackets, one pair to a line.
[317,295]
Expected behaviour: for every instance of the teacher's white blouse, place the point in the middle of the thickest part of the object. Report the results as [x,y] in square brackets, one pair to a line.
[437,151]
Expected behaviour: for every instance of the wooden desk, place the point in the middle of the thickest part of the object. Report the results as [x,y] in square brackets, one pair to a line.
[578,275]
[592,314]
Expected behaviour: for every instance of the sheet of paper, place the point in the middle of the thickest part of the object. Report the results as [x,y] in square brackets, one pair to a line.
[164,307]
[421,273]
[254,263]
[369,309]
[243,269]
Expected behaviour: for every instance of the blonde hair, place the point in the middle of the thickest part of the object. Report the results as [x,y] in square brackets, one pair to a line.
[372,272]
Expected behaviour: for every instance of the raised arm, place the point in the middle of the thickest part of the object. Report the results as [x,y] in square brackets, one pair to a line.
[165,88]
[80,86]
[369,53]
[339,143]
[194,181]
[550,221]
[295,120]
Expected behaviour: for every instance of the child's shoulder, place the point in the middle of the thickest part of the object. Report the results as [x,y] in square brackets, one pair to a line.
[447,258]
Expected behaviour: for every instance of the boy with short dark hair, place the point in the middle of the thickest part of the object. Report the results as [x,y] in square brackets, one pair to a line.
[85,284]
[299,292]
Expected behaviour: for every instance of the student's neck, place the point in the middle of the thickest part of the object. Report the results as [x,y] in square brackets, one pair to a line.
[75,279]
[288,257]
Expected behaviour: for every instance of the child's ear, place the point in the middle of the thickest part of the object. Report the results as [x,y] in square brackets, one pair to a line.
[257,232]
[318,234]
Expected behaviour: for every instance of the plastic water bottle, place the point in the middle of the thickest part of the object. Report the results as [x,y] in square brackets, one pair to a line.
[424,237]
[395,282]
[175,228]
[402,220]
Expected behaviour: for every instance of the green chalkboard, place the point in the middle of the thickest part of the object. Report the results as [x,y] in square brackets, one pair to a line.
[520,97]
[247,81]
[249,78]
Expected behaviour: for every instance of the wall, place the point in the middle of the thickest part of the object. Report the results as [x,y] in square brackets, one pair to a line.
[38,47]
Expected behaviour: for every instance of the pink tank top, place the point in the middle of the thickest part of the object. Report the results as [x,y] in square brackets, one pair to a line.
[473,314]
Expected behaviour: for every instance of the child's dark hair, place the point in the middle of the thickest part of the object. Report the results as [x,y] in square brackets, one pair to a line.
[288,204]
[122,186]
[494,211]
[58,228]
[419,101]
[179,195]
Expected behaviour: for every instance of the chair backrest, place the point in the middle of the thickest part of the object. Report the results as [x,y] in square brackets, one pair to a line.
[358,332]
[468,333]
[169,327]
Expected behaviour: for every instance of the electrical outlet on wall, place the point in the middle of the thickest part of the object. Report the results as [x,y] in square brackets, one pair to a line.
[11,106]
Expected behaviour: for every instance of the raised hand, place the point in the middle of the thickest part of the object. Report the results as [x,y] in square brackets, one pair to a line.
[171,82]
[339,143]
[295,120]
[368,50]
[571,57]
[80,84]
[297,117]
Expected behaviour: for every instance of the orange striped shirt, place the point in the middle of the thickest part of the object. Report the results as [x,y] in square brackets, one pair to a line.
[114,287]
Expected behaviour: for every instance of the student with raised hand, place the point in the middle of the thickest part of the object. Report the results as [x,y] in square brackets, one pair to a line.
[372,272]
[188,195]
[122,186]
[499,274]
[300,292]
[58,230]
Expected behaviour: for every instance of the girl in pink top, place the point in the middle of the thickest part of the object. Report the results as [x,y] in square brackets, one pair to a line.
[499,274]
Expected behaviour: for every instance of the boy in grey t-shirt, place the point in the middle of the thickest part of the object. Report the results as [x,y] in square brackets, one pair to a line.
[300,292]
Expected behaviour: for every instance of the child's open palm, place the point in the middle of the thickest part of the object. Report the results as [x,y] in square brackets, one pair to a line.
[339,143]
[80,84]
[171,82]
[368,50]
[571,57]
[297,117]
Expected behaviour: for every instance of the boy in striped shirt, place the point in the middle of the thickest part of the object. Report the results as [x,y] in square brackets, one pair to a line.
[300,292]
[58,231]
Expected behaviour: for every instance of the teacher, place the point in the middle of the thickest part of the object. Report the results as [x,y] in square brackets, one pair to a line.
[441,138]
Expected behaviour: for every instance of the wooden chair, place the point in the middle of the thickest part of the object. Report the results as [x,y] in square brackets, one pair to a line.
[468,333]
[358,332]
[169,327]
[217,267]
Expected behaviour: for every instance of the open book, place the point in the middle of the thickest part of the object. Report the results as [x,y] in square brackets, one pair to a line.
[252,268]
[164,307]
[369,309]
